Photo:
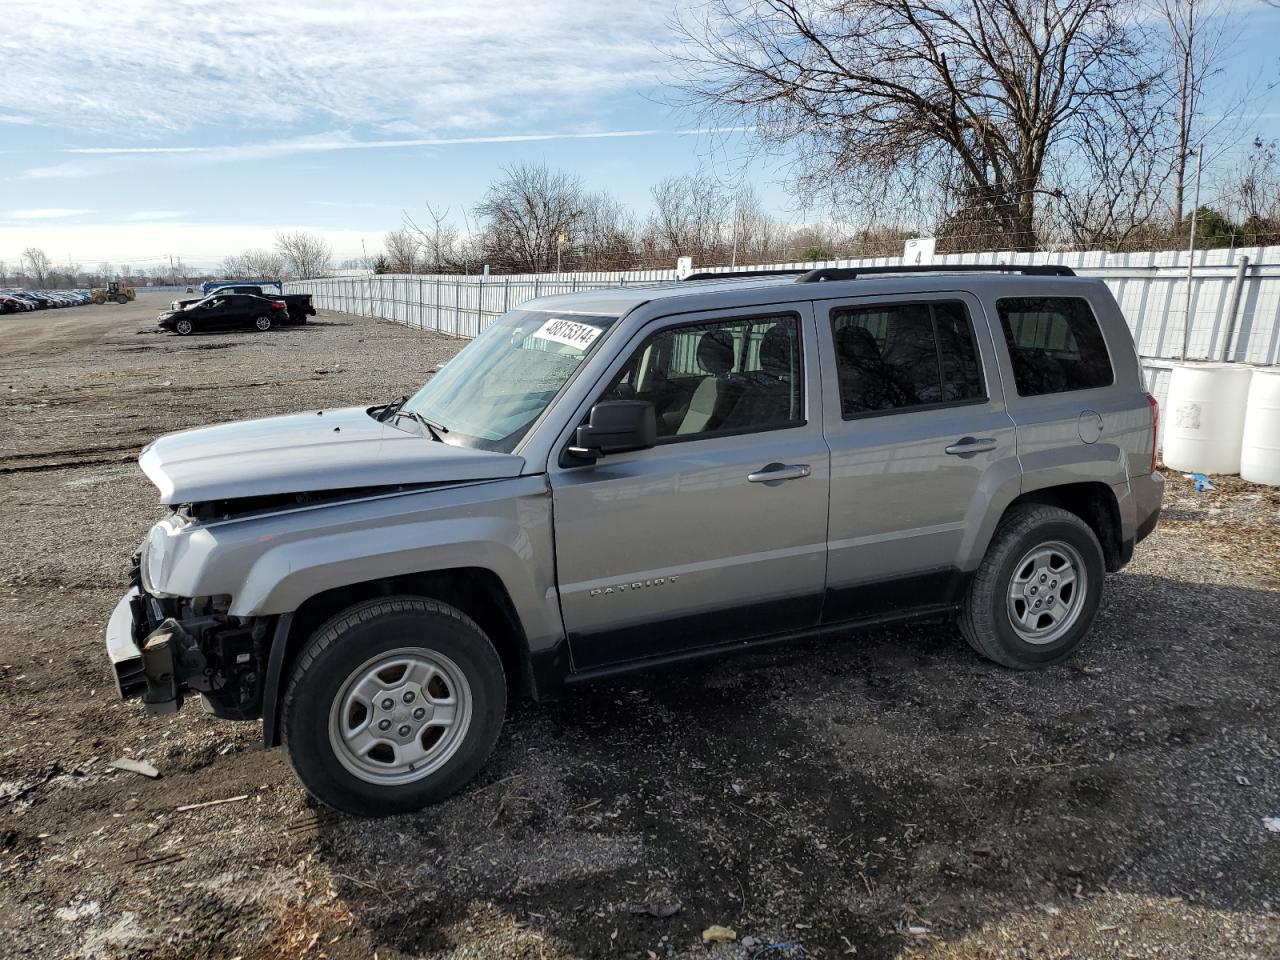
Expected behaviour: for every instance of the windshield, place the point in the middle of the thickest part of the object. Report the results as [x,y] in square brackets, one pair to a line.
[489,395]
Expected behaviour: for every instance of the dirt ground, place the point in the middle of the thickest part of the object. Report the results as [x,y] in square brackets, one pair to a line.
[885,795]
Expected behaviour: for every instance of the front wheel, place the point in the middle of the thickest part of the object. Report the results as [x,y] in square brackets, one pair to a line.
[1037,590]
[183,328]
[394,704]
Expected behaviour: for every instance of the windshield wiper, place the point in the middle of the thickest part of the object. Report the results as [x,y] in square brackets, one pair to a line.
[392,408]
[435,429]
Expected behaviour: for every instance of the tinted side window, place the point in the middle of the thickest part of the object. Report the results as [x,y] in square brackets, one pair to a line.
[725,376]
[1055,345]
[897,356]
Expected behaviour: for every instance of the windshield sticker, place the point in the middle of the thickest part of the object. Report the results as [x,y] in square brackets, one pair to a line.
[568,332]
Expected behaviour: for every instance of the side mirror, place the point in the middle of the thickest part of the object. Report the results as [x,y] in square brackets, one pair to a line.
[616,426]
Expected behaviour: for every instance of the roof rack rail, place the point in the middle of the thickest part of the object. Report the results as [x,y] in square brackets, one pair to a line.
[743,274]
[852,273]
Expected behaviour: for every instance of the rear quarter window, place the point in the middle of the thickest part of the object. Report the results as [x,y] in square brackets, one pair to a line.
[1055,345]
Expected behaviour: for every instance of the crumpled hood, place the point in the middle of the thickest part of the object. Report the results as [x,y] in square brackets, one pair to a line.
[308,452]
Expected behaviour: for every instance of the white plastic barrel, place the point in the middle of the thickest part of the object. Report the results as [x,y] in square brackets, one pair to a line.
[1205,417]
[1260,442]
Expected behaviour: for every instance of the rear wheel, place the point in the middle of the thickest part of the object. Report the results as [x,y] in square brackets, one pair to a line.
[183,328]
[263,323]
[1037,590]
[393,705]
[121,298]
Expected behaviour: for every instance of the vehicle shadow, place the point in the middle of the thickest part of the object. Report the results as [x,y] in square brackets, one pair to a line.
[846,793]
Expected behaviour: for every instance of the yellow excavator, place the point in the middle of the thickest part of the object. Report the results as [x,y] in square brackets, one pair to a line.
[114,290]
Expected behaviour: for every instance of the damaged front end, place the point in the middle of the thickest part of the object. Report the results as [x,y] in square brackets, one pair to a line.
[163,648]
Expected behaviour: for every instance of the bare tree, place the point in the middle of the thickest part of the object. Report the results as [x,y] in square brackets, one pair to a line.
[35,264]
[235,266]
[263,264]
[254,265]
[1118,193]
[1252,194]
[918,94]
[402,251]
[303,254]
[605,238]
[1200,38]
[438,240]
[525,213]
[690,216]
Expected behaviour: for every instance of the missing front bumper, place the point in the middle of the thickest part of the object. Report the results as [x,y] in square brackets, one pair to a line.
[144,666]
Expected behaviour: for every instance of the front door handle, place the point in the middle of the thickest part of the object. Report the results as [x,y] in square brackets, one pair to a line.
[967,446]
[773,472]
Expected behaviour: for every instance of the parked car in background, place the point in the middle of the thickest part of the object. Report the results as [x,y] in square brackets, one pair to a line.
[222,311]
[43,299]
[298,304]
[23,301]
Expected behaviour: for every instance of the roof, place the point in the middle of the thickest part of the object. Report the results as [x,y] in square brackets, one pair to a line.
[617,301]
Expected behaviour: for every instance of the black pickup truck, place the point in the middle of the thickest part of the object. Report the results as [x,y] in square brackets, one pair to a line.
[298,305]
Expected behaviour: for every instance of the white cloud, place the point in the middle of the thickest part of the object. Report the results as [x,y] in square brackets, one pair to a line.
[64,171]
[46,213]
[109,159]
[322,143]
[146,216]
[402,66]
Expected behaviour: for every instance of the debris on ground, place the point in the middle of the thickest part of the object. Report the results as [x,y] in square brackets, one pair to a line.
[135,766]
[660,909]
[718,934]
[210,803]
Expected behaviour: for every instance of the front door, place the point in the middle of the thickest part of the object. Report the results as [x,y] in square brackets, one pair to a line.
[921,444]
[717,534]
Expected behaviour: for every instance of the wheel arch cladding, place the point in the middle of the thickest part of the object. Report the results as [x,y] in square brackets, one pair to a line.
[1093,502]
[476,591]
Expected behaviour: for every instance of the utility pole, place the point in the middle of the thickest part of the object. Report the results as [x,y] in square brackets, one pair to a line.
[364,255]
[733,256]
[1191,255]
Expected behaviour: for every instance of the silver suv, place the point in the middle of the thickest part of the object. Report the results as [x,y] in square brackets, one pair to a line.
[611,480]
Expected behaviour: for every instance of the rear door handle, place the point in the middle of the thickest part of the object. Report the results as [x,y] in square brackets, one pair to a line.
[773,472]
[970,445]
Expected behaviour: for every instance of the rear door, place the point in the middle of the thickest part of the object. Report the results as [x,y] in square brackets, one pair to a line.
[921,444]
[717,534]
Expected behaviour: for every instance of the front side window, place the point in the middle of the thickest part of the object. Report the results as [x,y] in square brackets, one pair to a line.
[725,376]
[489,395]
[902,355]
[1055,345]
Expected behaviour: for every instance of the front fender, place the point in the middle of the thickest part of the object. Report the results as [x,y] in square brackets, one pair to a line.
[270,564]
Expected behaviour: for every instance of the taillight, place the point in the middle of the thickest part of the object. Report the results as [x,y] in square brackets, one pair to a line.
[278,304]
[1155,429]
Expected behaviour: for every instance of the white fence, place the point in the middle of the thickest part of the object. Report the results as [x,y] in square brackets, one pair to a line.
[1235,298]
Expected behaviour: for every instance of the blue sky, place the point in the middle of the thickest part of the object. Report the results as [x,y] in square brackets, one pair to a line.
[129,132]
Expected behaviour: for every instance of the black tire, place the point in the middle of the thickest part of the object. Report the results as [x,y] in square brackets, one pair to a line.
[985,618]
[184,328]
[262,324]
[345,645]
[121,298]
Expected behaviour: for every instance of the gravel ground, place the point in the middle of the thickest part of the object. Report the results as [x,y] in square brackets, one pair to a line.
[885,795]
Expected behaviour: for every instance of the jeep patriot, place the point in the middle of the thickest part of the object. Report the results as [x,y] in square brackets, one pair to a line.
[615,479]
